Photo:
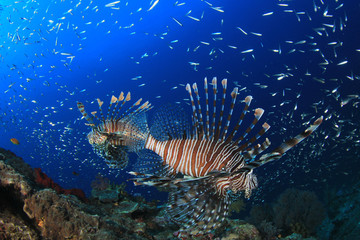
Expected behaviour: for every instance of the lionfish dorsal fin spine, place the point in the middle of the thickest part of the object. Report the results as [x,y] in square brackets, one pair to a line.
[121,98]
[100,103]
[81,108]
[256,150]
[113,115]
[128,112]
[115,107]
[142,108]
[138,102]
[218,126]
[233,100]
[112,100]
[207,131]
[214,84]
[238,124]
[195,119]
[128,96]
[201,123]
[258,113]
[264,129]
[94,114]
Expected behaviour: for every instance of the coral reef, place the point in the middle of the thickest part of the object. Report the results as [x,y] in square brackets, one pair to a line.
[295,211]
[239,230]
[27,211]
[43,180]
[343,215]
[298,211]
[100,183]
[30,211]
[49,209]
[237,206]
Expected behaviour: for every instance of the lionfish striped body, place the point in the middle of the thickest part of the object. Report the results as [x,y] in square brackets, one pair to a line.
[216,161]
[115,135]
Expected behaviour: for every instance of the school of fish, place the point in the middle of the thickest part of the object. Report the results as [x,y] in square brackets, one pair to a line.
[297,58]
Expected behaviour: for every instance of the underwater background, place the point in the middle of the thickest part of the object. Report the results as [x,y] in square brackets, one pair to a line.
[298,59]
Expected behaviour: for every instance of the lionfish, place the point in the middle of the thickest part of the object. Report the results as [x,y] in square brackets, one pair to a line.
[115,135]
[215,162]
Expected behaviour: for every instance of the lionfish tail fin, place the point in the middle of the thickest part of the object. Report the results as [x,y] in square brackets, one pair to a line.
[283,148]
[194,203]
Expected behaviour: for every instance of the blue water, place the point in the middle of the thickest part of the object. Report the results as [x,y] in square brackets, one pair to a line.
[288,65]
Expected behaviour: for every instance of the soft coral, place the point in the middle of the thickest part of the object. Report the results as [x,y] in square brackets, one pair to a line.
[45,181]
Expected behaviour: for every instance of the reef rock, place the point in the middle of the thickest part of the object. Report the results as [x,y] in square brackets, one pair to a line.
[15,175]
[49,209]
[239,230]
[28,211]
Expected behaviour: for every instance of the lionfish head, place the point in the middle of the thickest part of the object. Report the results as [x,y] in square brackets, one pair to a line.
[243,181]
[96,138]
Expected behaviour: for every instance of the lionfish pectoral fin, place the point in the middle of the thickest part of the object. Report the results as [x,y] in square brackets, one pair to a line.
[286,146]
[138,131]
[269,156]
[194,203]
[116,157]
[300,137]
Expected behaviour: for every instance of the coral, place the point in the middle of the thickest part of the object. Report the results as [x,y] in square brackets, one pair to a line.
[260,213]
[17,163]
[29,212]
[106,192]
[127,207]
[60,217]
[294,211]
[14,228]
[298,211]
[43,180]
[296,236]
[268,230]
[15,174]
[237,206]
[344,212]
[240,230]
[100,183]
[106,196]
[13,222]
